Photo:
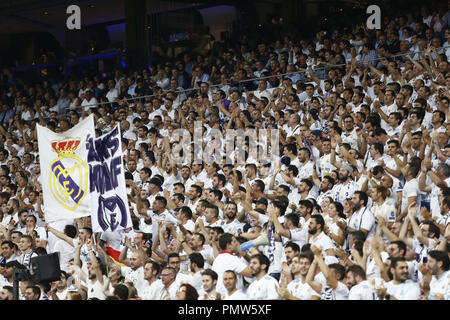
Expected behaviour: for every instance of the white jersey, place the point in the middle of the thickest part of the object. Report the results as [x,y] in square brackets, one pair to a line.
[95,289]
[363,219]
[342,192]
[323,242]
[234,227]
[407,290]
[237,295]
[301,290]
[440,286]
[136,277]
[362,291]
[410,189]
[340,293]
[263,289]
[325,165]
[150,292]
[228,261]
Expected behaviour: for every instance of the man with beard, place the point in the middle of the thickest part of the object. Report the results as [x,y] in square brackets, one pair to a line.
[325,187]
[317,237]
[59,288]
[362,218]
[291,249]
[264,287]
[13,210]
[436,275]
[194,194]
[134,269]
[219,181]
[305,208]
[290,231]
[211,216]
[153,285]
[303,190]
[94,279]
[334,273]
[197,244]
[230,282]
[398,248]
[32,293]
[360,288]
[186,177]
[160,214]
[382,208]
[228,260]
[400,288]
[154,187]
[306,165]
[209,282]
[7,278]
[232,225]
[298,288]
[346,187]
[21,224]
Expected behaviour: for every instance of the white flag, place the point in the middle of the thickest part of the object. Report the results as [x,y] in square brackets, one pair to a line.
[65,173]
[109,201]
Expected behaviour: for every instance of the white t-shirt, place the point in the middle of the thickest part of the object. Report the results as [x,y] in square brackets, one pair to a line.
[322,241]
[298,236]
[362,291]
[263,289]
[95,289]
[301,290]
[66,252]
[340,293]
[112,95]
[342,192]
[325,165]
[440,286]
[372,270]
[410,189]
[169,294]
[363,219]
[234,227]
[62,295]
[227,261]
[407,290]
[350,138]
[136,277]
[150,292]
[305,171]
[237,295]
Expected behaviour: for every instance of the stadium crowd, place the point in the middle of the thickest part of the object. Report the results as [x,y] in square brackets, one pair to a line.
[356,206]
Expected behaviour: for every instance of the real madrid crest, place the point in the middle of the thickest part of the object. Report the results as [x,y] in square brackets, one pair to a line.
[69,177]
